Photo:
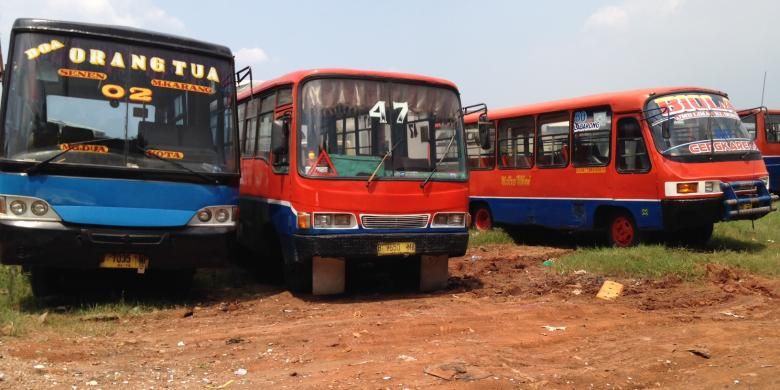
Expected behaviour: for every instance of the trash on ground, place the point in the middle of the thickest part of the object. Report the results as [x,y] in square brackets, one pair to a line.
[730,314]
[180,344]
[240,372]
[580,272]
[700,352]
[406,358]
[551,328]
[456,370]
[610,290]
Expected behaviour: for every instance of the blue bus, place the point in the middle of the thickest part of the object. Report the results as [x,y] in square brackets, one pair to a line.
[118,152]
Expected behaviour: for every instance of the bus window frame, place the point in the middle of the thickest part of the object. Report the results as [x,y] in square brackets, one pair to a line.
[643,134]
[766,129]
[499,139]
[494,144]
[281,112]
[609,137]
[538,130]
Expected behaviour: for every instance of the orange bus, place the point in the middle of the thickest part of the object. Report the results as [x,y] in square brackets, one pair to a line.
[349,166]
[764,126]
[665,159]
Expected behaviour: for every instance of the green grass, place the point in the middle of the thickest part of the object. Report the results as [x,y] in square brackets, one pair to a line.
[490,237]
[735,244]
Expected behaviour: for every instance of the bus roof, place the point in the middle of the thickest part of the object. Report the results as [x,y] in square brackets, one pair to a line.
[122,33]
[622,101]
[297,76]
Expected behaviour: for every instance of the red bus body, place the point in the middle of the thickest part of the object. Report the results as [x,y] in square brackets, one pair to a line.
[589,186]
[279,206]
[764,125]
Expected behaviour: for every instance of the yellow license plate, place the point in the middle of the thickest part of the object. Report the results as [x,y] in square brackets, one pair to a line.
[746,206]
[396,248]
[125,260]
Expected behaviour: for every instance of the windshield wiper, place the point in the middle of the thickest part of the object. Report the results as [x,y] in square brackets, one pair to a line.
[427,179]
[31,170]
[179,165]
[387,154]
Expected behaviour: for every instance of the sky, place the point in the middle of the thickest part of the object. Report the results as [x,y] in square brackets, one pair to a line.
[502,53]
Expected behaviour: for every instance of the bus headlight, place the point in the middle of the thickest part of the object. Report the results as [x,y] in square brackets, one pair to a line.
[334,221]
[18,207]
[449,220]
[39,208]
[214,216]
[222,215]
[26,208]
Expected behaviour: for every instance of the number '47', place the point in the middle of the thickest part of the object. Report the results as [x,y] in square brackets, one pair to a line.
[378,111]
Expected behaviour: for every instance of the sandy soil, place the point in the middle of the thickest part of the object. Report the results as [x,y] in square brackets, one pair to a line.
[487,330]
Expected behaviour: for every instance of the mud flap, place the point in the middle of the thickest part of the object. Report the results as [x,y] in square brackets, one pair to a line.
[433,272]
[328,275]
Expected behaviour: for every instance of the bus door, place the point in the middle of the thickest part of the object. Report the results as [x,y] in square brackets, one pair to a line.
[635,182]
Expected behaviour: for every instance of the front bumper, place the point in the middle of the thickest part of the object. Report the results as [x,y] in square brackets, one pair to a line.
[57,245]
[364,246]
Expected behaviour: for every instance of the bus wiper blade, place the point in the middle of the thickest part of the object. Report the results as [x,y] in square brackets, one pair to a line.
[31,170]
[178,165]
[427,179]
[387,154]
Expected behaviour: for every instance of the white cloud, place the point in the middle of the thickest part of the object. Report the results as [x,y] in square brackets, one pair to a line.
[609,16]
[250,56]
[133,13]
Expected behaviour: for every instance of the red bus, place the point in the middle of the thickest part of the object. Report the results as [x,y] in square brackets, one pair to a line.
[345,166]
[665,159]
[764,126]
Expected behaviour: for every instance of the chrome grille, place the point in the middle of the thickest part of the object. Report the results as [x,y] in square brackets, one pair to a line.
[408,221]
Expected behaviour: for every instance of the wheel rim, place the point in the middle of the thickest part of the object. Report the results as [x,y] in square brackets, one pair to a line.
[482,220]
[622,231]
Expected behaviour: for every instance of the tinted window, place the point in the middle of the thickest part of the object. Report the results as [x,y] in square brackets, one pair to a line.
[479,158]
[772,124]
[750,125]
[631,150]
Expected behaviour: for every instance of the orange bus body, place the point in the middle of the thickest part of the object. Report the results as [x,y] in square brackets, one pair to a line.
[592,163]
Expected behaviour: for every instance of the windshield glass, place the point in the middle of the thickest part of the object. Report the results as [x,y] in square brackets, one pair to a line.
[698,125]
[348,126]
[129,105]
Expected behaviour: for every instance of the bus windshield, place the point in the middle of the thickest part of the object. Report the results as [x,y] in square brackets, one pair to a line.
[113,104]
[698,127]
[380,129]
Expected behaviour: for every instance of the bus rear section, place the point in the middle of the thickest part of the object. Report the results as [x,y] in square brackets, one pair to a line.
[673,160]
[119,153]
[764,126]
[347,167]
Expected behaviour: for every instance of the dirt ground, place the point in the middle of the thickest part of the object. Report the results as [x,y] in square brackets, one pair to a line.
[487,330]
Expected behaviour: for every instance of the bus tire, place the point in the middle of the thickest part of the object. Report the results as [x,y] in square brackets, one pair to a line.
[43,282]
[483,218]
[622,231]
[298,276]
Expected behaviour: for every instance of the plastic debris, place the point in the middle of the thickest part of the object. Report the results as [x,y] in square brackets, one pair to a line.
[730,314]
[39,367]
[406,358]
[180,344]
[475,257]
[580,272]
[610,290]
[240,372]
[92,383]
[549,263]
[551,328]
[700,352]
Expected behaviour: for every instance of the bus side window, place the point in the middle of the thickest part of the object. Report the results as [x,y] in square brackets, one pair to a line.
[631,153]
[772,126]
[750,125]
[280,134]
[479,158]
[241,108]
[592,133]
[552,148]
[250,128]
[516,143]
[266,119]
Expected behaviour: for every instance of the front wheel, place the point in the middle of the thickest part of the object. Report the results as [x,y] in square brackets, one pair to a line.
[622,231]
[43,282]
[483,219]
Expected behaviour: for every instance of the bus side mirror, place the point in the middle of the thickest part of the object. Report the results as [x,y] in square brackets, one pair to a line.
[666,128]
[484,132]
